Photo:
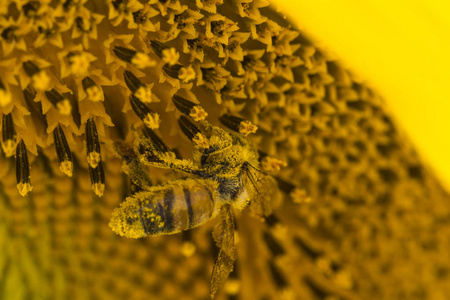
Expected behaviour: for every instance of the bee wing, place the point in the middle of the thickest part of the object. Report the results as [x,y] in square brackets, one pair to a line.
[263,192]
[224,236]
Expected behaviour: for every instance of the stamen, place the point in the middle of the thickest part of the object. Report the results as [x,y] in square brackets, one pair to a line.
[61,103]
[275,248]
[170,56]
[79,63]
[23,170]
[189,108]
[158,47]
[93,91]
[269,164]
[30,68]
[8,135]
[150,118]
[63,151]
[238,124]
[319,291]
[5,95]
[97,179]
[39,78]
[133,83]
[277,276]
[157,142]
[137,87]
[92,144]
[124,54]
[189,129]
[173,71]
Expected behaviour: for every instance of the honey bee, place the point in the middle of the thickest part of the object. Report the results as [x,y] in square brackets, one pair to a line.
[222,177]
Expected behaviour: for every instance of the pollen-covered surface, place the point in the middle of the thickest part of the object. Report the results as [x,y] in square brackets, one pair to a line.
[362,218]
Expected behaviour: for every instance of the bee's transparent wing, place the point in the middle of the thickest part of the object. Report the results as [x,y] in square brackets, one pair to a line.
[224,237]
[264,193]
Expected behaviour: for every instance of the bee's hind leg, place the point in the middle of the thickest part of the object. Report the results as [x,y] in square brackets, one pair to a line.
[136,171]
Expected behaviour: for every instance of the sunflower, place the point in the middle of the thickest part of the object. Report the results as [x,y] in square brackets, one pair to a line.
[361,216]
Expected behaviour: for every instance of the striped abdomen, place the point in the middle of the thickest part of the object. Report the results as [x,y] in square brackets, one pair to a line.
[168,209]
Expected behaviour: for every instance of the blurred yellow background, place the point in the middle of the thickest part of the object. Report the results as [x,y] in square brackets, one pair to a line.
[401,48]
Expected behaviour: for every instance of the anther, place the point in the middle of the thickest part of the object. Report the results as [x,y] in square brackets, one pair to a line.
[173,70]
[79,63]
[297,194]
[5,95]
[315,288]
[275,248]
[93,91]
[188,128]
[97,179]
[137,87]
[269,164]
[23,170]
[30,9]
[157,142]
[312,253]
[63,151]
[40,79]
[285,186]
[238,124]
[133,83]
[138,59]
[124,54]
[277,276]
[92,144]
[30,68]
[61,103]
[8,135]
[158,47]
[150,118]
[189,108]
[272,220]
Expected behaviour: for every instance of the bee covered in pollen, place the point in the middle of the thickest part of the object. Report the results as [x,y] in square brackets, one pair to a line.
[222,177]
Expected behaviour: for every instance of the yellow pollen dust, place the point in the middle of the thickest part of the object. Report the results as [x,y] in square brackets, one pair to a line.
[66,167]
[188,249]
[24,188]
[186,74]
[272,164]
[247,127]
[300,196]
[144,94]
[93,159]
[170,56]
[5,97]
[142,61]
[152,120]
[201,141]
[94,93]
[9,147]
[98,189]
[41,81]
[79,64]
[64,107]
[198,113]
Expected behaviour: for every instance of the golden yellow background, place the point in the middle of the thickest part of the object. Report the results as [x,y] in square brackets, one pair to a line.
[401,48]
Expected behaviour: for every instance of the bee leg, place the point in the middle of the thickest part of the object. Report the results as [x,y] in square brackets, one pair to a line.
[137,173]
[132,166]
